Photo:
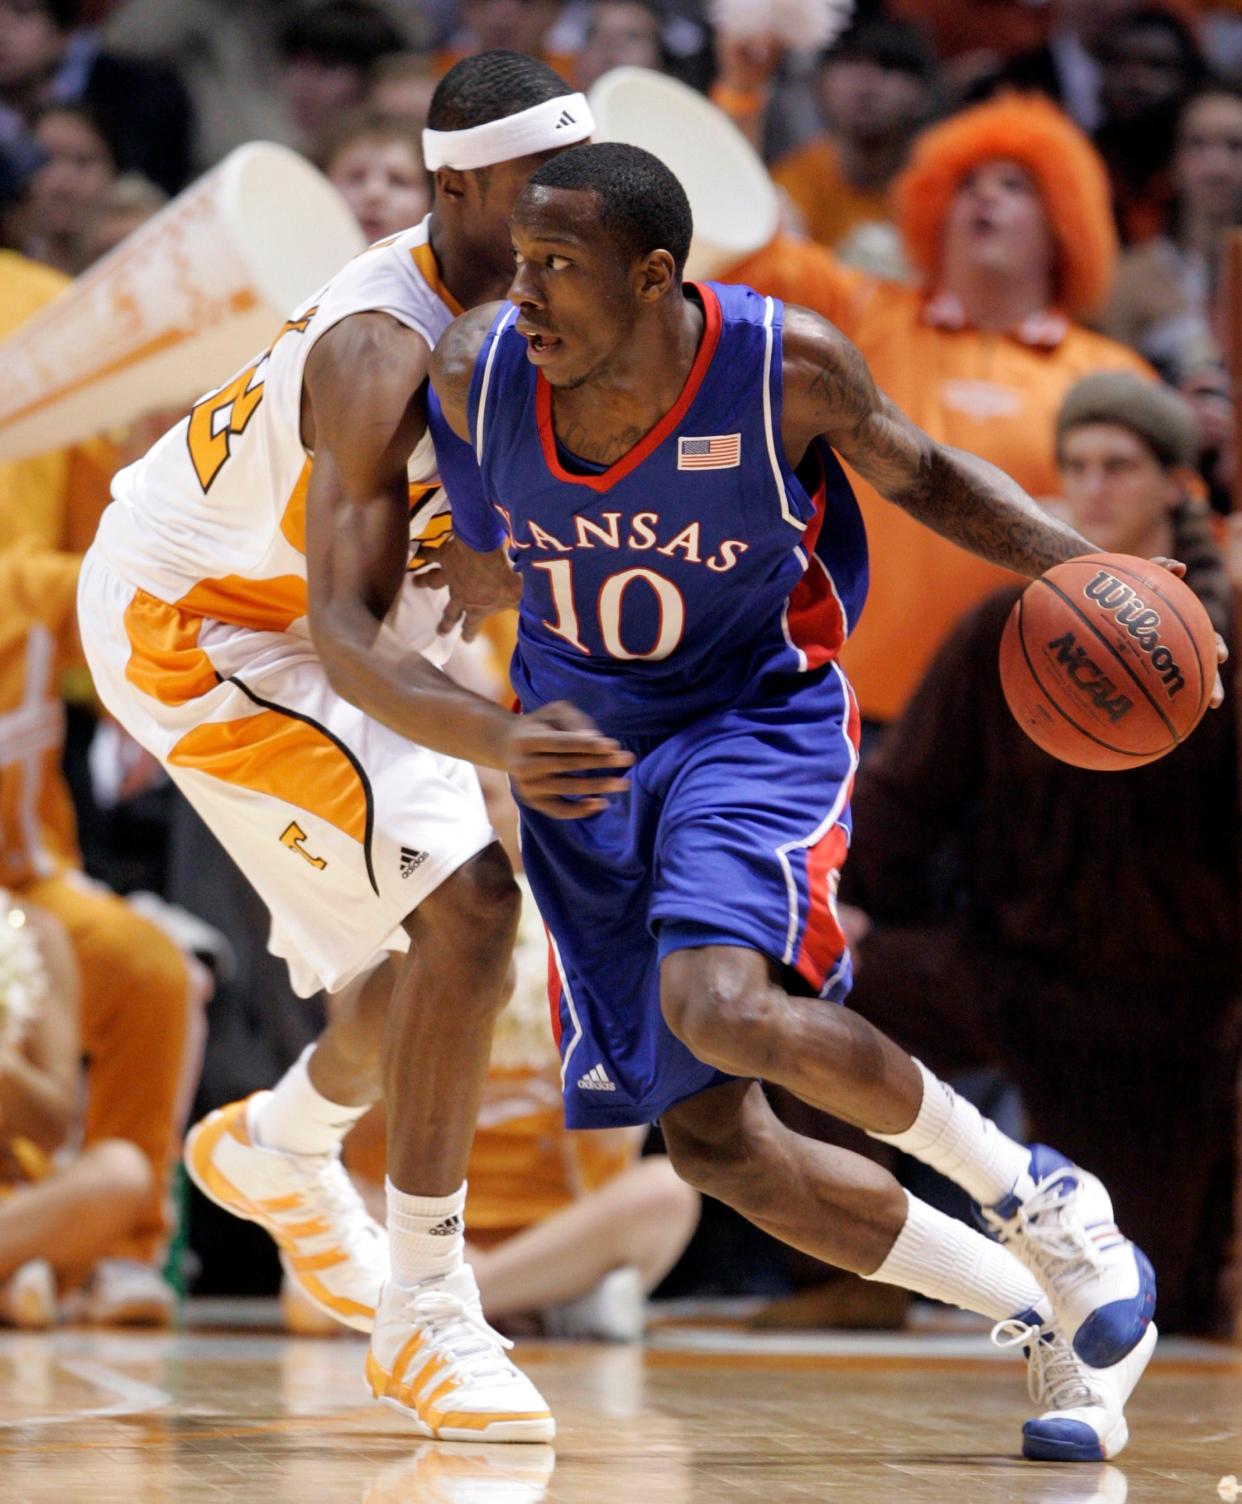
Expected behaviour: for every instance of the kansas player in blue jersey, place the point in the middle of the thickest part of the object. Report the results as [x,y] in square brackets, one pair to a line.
[657,461]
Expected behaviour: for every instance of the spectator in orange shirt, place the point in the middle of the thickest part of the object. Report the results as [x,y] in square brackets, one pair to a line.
[56,498]
[1004,210]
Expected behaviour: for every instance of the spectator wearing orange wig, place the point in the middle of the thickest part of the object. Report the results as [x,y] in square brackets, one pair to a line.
[1005,211]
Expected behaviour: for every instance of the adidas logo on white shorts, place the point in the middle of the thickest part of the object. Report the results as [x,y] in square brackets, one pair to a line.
[596,1079]
[411,861]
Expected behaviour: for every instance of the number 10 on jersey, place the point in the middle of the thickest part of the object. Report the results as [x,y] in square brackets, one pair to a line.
[669,601]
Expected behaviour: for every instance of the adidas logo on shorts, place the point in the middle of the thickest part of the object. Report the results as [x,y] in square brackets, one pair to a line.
[596,1079]
[411,861]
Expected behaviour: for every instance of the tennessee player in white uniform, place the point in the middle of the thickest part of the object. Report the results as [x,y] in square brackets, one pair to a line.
[248,613]
[196,612]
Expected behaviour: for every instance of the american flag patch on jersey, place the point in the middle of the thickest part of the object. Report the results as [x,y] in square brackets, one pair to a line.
[720,452]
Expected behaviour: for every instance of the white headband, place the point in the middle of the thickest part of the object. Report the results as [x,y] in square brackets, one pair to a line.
[563,121]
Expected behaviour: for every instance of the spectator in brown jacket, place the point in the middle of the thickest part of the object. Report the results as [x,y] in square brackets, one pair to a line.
[1088,942]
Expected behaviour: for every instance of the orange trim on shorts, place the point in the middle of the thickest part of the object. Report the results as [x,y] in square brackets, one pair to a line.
[272,752]
[165,660]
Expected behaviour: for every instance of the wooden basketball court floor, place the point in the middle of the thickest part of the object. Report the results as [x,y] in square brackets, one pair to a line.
[698,1415]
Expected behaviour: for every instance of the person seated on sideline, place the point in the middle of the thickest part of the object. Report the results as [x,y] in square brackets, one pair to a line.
[58,1215]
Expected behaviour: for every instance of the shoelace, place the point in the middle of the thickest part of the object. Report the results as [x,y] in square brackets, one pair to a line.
[459,1330]
[1058,1244]
[1055,1377]
[329,1187]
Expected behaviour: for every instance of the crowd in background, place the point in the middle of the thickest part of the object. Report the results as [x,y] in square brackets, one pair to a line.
[1020,212]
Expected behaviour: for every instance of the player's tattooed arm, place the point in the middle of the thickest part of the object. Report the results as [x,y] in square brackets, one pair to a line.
[829,392]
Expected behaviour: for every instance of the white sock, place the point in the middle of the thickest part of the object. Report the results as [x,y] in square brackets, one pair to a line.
[427,1234]
[297,1119]
[937,1256]
[951,1135]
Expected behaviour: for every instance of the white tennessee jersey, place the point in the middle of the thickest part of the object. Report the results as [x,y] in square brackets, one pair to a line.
[213,518]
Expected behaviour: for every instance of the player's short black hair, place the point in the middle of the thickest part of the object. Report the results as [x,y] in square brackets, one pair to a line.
[489,86]
[350,32]
[640,200]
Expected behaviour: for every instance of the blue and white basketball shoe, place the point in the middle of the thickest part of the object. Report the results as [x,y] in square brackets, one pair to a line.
[1084,1415]
[1101,1286]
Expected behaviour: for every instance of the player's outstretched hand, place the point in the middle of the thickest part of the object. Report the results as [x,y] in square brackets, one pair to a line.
[478,584]
[561,765]
[1175,566]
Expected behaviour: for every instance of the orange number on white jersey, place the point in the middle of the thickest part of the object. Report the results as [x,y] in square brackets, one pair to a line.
[217,417]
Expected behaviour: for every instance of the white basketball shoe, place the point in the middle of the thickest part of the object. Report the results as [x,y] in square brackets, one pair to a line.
[1101,1286]
[1084,1419]
[434,1358]
[330,1246]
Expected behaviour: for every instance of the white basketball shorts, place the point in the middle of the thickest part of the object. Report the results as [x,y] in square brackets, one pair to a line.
[342,825]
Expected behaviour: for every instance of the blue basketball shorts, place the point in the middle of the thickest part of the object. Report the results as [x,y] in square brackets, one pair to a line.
[733,832]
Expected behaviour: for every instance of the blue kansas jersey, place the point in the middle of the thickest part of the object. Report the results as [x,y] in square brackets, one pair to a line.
[691,599]
[699,565]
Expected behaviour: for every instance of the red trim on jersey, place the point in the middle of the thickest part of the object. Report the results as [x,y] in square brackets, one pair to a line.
[816,621]
[823,941]
[651,441]
[554,992]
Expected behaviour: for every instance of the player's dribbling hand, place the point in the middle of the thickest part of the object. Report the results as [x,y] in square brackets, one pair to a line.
[1175,566]
[561,765]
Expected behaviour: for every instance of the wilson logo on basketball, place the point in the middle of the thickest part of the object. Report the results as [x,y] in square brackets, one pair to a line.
[1140,621]
[1082,670]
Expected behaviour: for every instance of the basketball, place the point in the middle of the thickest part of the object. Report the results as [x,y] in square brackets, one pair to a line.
[1108,661]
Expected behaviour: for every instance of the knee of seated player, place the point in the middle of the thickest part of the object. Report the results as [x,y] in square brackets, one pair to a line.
[719,1000]
[475,911]
[120,1172]
[660,1203]
[132,969]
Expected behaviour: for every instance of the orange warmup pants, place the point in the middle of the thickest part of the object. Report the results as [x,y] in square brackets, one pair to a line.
[136,1035]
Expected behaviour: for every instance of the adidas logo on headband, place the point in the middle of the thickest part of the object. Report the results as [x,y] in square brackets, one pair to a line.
[563,121]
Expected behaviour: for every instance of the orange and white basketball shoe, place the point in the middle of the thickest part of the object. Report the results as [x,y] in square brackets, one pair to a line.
[330,1246]
[434,1358]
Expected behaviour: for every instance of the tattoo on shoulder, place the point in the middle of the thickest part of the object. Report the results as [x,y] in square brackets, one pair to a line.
[844,385]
